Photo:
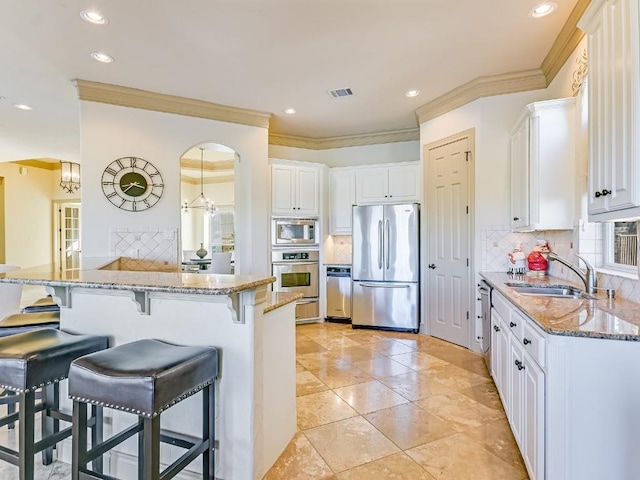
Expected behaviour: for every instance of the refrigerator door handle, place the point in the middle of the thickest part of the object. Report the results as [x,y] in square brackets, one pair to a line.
[384,285]
[380,244]
[386,236]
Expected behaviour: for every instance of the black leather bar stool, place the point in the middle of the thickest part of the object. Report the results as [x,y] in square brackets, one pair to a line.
[34,360]
[144,378]
[20,323]
[44,304]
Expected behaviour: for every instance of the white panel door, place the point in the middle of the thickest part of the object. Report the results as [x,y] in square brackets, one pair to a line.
[515,369]
[448,242]
[69,243]
[533,419]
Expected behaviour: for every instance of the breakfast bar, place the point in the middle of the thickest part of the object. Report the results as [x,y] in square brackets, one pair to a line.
[254,330]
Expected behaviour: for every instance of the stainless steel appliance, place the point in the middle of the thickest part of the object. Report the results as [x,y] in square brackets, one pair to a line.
[386,267]
[294,231]
[339,294]
[298,271]
[485,301]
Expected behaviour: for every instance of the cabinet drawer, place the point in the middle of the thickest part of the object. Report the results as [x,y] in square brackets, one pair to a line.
[534,343]
[502,306]
[516,323]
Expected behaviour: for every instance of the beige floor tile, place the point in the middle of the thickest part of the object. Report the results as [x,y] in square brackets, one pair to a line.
[312,361]
[362,336]
[307,383]
[475,365]
[357,354]
[350,443]
[337,343]
[416,385]
[458,457]
[498,439]
[409,425]
[485,393]
[389,346]
[299,368]
[462,412]
[455,377]
[370,397]
[341,375]
[299,461]
[308,346]
[322,408]
[393,467]
[419,360]
[381,367]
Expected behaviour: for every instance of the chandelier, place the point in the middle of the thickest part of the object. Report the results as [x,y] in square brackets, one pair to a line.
[69,176]
[201,202]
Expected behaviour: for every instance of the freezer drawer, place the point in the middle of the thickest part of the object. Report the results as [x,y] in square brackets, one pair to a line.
[385,305]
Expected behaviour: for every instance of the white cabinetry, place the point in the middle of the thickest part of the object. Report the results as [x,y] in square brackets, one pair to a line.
[612,27]
[543,167]
[520,380]
[342,196]
[388,184]
[295,190]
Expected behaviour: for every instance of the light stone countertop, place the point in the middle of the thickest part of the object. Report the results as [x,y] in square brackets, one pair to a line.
[279,299]
[125,274]
[597,317]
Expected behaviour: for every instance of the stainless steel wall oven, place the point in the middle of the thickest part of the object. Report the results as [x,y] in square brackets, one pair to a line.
[298,271]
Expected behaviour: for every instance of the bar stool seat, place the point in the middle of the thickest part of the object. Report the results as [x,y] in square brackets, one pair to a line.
[34,360]
[24,322]
[45,304]
[145,378]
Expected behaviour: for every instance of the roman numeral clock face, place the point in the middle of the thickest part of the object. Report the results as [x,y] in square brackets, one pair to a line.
[132,184]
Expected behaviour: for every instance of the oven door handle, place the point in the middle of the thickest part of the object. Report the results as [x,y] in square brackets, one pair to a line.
[305,300]
[295,263]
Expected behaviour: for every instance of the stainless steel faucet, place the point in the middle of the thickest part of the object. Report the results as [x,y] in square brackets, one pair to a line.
[589,278]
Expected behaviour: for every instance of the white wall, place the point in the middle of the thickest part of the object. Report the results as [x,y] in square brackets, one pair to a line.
[351,156]
[109,132]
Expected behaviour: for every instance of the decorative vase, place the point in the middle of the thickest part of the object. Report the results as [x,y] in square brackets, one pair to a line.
[201,252]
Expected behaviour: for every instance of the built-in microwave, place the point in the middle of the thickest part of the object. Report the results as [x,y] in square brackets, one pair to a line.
[294,231]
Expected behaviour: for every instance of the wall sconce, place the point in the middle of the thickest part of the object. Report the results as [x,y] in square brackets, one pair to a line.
[69,176]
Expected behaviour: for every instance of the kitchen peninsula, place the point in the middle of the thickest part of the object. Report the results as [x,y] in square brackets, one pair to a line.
[128,300]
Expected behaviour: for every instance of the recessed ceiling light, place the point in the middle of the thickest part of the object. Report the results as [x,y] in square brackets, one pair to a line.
[412,93]
[543,10]
[102,57]
[289,111]
[92,16]
[22,106]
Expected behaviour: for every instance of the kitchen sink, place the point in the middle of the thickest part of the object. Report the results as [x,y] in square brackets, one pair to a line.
[557,291]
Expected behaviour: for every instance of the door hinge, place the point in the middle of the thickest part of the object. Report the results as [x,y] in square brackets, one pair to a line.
[467,315]
[467,209]
[467,262]
[467,155]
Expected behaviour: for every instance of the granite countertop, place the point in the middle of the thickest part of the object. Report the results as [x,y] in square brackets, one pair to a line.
[279,299]
[122,274]
[596,317]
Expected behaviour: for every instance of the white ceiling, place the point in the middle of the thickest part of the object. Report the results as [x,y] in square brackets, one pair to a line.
[264,55]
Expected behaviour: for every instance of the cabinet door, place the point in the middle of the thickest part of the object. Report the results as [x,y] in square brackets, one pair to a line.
[283,189]
[372,186]
[501,347]
[497,362]
[342,196]
[404,183]
[533,419]
[520,176]
[307,180]
[516,369]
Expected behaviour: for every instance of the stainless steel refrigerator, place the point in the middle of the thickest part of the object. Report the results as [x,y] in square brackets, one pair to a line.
[386,267]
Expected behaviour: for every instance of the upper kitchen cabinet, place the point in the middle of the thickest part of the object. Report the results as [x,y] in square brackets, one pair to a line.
[614,108]
[342,196]
[388,184]
[543,167]
[295,190]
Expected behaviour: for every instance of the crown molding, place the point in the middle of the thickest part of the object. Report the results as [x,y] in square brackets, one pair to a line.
[405,135]
[479,87]
[39,163]
[566,42]
[207,181]
[160,102]
[190,164]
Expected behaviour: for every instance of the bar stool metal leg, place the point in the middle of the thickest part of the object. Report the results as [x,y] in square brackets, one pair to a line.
[26,428]
[97,434]
[11,408]
[79,450]
[208,431]
[47,422]
[151,452]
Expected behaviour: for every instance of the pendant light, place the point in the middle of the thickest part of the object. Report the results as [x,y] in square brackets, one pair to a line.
[201,202]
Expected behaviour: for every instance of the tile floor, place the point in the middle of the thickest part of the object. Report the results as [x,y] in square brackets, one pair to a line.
[387,405]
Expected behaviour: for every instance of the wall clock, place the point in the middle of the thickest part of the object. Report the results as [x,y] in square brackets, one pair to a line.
[132,184]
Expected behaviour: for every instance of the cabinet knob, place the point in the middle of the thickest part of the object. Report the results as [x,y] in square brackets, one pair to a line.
[526,341]
[606,192]
[496,328]
[598,194]
[515,219]
[432,266]
[512,324]
[519,364]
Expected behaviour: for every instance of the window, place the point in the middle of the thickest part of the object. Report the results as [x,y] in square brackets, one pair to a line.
[621,246]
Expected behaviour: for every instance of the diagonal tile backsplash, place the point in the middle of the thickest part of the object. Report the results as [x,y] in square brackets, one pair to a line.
[149,245]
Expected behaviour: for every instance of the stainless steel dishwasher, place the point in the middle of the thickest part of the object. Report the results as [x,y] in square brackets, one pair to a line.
[339,294]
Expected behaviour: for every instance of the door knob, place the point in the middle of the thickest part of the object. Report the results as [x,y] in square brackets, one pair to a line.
[432,266]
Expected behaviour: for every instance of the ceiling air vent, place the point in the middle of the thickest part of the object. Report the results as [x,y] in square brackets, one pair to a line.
[340,92]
